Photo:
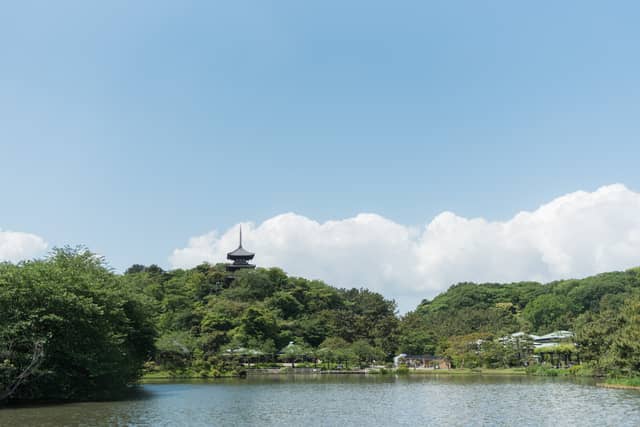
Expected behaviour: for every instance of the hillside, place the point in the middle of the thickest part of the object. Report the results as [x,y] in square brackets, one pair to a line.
[201,317]
[602,310]
[70,328]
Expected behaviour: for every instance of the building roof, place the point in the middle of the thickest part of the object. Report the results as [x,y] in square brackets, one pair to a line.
[557,335]
[540,341]
[420,356]
[240,252]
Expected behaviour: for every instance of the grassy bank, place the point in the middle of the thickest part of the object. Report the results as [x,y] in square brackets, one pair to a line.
[163,375]
[622,383]
[467,371]
[187,374]
[574,371]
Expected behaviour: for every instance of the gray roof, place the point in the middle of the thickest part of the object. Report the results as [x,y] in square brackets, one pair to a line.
[557,335]
[240,252]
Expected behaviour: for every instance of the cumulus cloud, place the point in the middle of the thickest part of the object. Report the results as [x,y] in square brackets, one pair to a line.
[16,246]
[575,235]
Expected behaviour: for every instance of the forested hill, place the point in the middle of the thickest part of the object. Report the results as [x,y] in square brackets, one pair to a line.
[603,310]
[200,315]
[70,328]
[526,306]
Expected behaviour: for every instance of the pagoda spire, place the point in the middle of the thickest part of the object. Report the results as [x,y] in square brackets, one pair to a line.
[240,235]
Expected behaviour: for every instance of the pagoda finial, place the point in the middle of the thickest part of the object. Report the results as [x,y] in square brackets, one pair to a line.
[240,235]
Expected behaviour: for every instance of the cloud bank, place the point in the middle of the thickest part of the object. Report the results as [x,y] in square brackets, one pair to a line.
[575,235]
[16,246]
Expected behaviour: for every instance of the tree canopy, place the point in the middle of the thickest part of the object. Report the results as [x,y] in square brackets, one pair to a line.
[71,328]
[599,308]
[263,310]
[68,330]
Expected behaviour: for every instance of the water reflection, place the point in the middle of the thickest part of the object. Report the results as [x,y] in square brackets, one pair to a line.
[349,401]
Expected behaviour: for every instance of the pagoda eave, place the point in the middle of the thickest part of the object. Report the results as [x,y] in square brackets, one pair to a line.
[235,267]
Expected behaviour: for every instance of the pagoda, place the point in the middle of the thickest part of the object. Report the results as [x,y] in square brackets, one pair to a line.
[240,257]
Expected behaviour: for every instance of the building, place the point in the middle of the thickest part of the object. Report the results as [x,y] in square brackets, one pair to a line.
[240,258]
[554,339]
[557,348]
[421,361]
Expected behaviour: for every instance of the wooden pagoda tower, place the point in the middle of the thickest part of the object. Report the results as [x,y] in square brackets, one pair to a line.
[240,257]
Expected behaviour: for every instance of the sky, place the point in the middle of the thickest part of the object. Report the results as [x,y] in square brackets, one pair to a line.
[401,146]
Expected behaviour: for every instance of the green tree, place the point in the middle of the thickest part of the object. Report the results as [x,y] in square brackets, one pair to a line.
[365,353]
[464,350]
[293,352]
[287,305]
[89,335]
[258,325]
[336,350]
[626,343]
[548,312]
[416,336]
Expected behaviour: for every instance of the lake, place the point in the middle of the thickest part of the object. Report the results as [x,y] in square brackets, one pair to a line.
[350,400]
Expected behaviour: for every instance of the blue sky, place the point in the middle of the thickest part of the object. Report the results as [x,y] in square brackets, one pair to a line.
[132,126]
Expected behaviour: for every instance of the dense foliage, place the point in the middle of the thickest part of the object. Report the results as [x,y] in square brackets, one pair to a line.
[604,310]
[72,329]
[68,330]
[206,322]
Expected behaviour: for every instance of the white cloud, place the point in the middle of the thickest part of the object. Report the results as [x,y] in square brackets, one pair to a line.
[16,246]
[574,235]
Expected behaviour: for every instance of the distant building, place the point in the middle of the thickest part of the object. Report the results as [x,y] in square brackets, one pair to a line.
[552,339]
[423,361]
[240,257]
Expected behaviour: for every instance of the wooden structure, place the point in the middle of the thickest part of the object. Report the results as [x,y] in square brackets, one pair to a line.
[240,257]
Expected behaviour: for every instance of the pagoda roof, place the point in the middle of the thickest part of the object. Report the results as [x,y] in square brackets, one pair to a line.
[240,252]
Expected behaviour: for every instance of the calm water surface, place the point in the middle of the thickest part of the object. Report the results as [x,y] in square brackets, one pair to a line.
[350,401]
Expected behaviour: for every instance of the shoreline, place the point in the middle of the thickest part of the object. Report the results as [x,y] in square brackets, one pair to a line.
[469,371]
[367,371]
[618,386]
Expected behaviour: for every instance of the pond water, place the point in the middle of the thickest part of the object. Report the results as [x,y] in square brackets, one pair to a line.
[344,400]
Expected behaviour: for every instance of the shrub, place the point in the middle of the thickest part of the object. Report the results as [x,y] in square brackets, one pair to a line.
[402,370]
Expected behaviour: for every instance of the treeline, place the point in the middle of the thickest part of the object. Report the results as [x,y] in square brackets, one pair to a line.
[203,320]
[70,328]
[602,310]
[207,324]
